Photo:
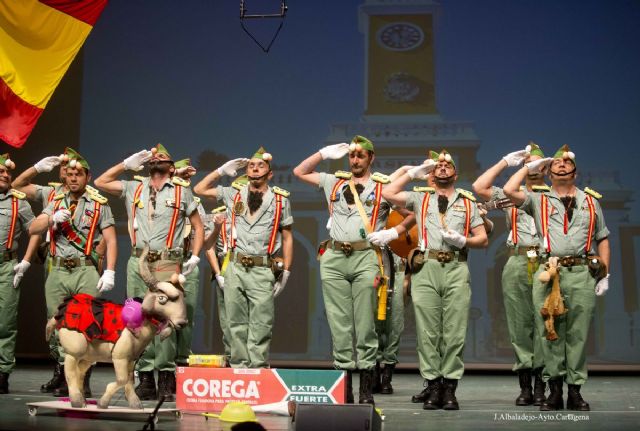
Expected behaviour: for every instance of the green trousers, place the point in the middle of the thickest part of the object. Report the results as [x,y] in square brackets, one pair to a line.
[249,307]
[222,318]
[389,330]
[441,295]
[567,356]
[159,355]
[62,282]
[9,298]
[517,293]
[185,335]
[350,304]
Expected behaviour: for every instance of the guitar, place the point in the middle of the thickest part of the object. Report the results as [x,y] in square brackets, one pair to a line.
[406,242]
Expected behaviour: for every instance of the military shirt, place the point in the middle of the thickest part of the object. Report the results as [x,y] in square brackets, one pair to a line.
[82,219]
[23,221]
[43,192]
[527,234]
[455,218]
[254,231]
[152,224]
[346,223]
[572,243]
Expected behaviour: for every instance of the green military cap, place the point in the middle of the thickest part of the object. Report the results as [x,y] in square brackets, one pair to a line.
[361,143]
[160,149]
[6,161]
[262,154]
[534,150]
[442,156]
[565,152]
[73,158]
[184,163]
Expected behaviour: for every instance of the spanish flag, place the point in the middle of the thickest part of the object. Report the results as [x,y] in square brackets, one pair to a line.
[38,41]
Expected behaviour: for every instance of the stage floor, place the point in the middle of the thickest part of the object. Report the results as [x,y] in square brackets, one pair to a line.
[486,402]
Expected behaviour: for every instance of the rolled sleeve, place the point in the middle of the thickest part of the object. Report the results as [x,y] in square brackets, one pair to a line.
[287,217]
[602,231]
[48,210]
[25,214]
[106,217]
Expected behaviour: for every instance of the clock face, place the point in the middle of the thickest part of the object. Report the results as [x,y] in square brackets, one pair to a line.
[400,36]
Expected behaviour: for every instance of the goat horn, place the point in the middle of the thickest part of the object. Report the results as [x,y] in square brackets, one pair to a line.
[145,273]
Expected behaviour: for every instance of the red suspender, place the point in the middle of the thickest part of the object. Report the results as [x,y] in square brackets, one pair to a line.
[14,218]
[232,236]
[376,207]
[425,207]
[334,192]
[514,226]
[174,218]
[52,240]
[52,194]
[467,221]
[223,235]
[544,222]
[134,207]
[276,224]
[92,229]
[592,223]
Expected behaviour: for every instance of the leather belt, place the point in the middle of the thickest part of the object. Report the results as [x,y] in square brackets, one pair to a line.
[349,247]
[70,262]
[569,261]
[250,261]
[446,256]
[176,254]
[522,251]
[8,255]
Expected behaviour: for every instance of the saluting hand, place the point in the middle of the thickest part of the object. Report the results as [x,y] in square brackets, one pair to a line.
[538,165]
[136,161]
[231,167]
[515,159]
[335,151]
[47,164]
[421,172]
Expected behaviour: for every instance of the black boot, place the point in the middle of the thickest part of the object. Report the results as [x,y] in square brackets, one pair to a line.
[539,386]
[422,396]
[575,401]
[449,401]
[433,394]
[526,395]
[349,386]
[387,376]
[366,383]
[4,383]
[376,379]
[146,390]
[167,385]
[86,385]
[56,380]
[554,401]
[62,390]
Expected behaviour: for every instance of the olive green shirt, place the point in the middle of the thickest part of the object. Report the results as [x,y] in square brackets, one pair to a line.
[24,219]
[527,234]
[43,192]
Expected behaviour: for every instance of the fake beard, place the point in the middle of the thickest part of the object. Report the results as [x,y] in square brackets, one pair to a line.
[159,168]
[348,196]
[569,205]
[254,201]
[444,181]
[443,203]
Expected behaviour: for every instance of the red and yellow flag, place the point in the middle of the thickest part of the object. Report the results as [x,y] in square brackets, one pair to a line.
[38,41]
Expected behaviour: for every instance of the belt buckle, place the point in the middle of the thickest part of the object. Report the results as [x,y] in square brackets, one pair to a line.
[567,261]
[69,263]
[153,256]
[444,257]
[346,248]
[246,261]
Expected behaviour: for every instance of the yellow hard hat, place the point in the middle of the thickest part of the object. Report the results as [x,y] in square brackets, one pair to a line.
[235,411]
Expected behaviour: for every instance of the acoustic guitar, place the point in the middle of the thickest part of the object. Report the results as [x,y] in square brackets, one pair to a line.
[406,242]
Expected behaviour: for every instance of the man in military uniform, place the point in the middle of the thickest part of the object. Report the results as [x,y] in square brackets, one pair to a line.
[349,264]
[260,224]
[77,220]
[158,207]
[448,225]
[572,227]
[523,243]
[15,218]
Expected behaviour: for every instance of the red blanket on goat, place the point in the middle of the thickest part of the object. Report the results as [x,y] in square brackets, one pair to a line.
[96,318]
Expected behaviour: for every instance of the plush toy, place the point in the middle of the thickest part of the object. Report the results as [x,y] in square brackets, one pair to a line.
[554,304]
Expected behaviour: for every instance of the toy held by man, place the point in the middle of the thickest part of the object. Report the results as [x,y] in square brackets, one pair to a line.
[554,303]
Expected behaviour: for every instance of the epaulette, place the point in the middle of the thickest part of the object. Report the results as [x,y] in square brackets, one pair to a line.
[181,182]
[219,210]
[380,178]
[196,199]
[467,194]
[281,192]
[17,194]
[139,178]
[542,188]
[54,184]
[343,174]
[593,193]
[425,189]
[58,196]
[91,190]
[238,186]
[98,198]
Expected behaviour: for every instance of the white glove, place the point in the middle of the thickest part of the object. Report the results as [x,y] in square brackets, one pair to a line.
[516,158]
[186,172]
[107,281]
[190,265]
[47,164]
[602,286]
[538,165]
[136,161]
[231,167]
[382,237]
[454,238]
[61,216]
[335,151]
[421,172]
[278,287]
[220,281]
[19,270]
